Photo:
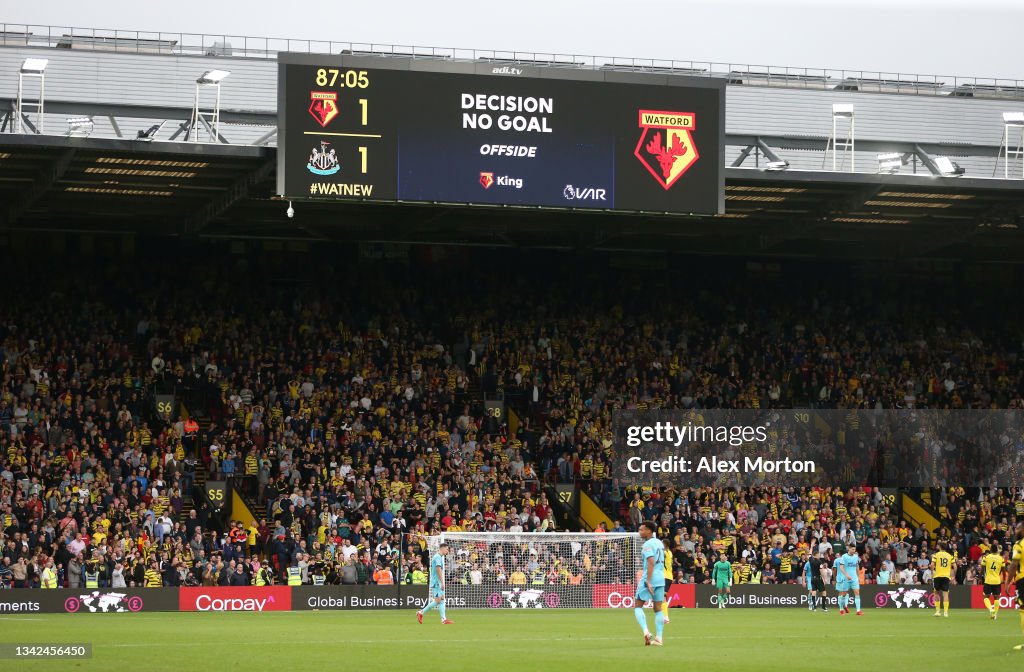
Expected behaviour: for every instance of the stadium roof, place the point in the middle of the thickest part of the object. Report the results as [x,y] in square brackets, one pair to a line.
[133,84]
[129,42]
[186,189]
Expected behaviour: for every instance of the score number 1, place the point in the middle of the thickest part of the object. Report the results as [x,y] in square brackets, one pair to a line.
[362,150]
[352,79]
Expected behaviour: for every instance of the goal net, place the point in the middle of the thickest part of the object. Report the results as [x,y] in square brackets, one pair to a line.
[507,570]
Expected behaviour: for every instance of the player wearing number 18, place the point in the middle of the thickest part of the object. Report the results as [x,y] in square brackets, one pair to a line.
[652,583]
[436,595]
[942,562]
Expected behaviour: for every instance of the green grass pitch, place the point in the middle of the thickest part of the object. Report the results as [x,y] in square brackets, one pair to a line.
[495,641]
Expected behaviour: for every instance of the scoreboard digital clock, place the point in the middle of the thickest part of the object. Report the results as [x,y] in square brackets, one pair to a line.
[430,131]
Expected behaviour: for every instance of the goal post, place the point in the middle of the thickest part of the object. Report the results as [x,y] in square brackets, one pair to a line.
[530,570]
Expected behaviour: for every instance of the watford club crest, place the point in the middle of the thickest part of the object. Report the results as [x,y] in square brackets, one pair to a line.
[323,105]
[666,145]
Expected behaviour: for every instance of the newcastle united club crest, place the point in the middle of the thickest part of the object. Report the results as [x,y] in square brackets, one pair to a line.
[323,161]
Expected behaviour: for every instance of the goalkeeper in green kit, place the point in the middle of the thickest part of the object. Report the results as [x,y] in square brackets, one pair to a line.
[721,574]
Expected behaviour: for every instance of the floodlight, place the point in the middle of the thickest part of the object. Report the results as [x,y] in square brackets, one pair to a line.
[213,77]
[34,66]
[80,126]
[1013,118]
[948,168]
[890,162]
[776,165]
[842,110]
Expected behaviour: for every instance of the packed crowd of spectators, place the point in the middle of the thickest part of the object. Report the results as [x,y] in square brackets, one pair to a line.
[769,533]
[342,403]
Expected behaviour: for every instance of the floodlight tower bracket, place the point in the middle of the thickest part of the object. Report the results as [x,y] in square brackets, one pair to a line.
[31,99]
[1013,128]
[206,110]
[842,121]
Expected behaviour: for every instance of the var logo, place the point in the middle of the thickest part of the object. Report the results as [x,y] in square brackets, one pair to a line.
[571,193]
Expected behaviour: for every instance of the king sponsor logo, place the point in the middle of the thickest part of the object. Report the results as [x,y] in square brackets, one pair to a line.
[488,180]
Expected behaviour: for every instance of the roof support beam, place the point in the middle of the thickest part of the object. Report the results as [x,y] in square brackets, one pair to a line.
[265,138]
[927,160]
[28,122]
[742,157]
[758,146]
[767,151]
[182,128]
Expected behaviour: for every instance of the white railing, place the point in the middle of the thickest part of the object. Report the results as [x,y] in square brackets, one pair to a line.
[244,46]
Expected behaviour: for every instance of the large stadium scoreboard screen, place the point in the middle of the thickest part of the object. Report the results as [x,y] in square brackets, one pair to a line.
[430,131]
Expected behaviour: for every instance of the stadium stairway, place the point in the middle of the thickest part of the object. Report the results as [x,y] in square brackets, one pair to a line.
[201,476]
[199,485]
[474,391]
[243,504]
[917,510]
[562,498]
[591,512]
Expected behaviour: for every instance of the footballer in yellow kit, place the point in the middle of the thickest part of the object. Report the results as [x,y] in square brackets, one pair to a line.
[669,576]
[994,563]
[942,563]
[1017,572]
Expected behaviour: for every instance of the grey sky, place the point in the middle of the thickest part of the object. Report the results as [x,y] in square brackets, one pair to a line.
[941,37]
